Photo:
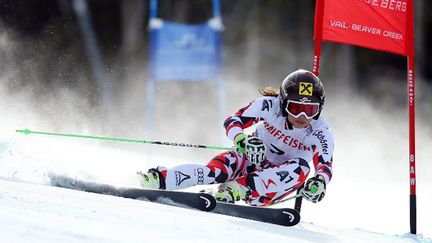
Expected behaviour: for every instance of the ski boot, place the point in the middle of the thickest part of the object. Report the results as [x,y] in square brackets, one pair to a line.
[153,179]
[231,192]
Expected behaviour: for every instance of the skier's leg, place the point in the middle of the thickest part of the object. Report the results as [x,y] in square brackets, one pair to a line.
[228,166]
[225,166]
[272,184]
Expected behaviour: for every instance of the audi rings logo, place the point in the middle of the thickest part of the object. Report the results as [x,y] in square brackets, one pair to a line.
[200,172]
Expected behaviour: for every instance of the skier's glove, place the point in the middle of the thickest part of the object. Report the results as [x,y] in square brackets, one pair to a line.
[314,189]
[255,150]
[239,141]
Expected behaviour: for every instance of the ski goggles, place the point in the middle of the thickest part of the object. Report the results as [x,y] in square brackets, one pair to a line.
[296,109]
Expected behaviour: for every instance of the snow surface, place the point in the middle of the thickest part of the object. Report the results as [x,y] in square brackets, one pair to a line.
[32,211]
[37,213]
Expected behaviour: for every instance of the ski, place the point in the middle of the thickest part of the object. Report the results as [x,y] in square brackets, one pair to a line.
[279,216]
[200,201]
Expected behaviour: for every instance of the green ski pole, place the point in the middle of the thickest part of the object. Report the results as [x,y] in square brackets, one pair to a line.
[188,145]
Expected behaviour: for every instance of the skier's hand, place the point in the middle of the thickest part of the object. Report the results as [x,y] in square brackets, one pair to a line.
[255,150]
[314,189]
[239,141]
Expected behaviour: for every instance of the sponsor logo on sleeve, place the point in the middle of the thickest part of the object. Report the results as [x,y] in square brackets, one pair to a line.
[323,141]
[266,105]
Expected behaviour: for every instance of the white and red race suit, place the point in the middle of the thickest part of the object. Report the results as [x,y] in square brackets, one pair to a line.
[288,153]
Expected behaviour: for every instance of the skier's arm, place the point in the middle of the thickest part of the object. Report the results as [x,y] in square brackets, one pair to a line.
[323,154]
[245,117]
[322,145]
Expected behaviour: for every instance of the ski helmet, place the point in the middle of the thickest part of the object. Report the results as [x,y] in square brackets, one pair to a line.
[304,87]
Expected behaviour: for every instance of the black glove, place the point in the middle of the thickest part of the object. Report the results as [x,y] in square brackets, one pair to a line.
[314,189]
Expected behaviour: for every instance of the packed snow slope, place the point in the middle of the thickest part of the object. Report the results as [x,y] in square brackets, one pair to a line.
[33,211]
[37,213]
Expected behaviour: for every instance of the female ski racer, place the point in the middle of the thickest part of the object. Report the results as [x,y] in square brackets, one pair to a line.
[273,161]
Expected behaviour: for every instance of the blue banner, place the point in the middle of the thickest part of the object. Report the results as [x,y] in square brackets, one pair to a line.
[184,52]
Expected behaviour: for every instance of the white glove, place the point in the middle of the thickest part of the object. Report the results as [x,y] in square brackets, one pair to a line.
[255,150]
[314,189]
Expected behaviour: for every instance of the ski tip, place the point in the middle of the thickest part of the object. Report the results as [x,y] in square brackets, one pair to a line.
[293,217]
[209,202]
